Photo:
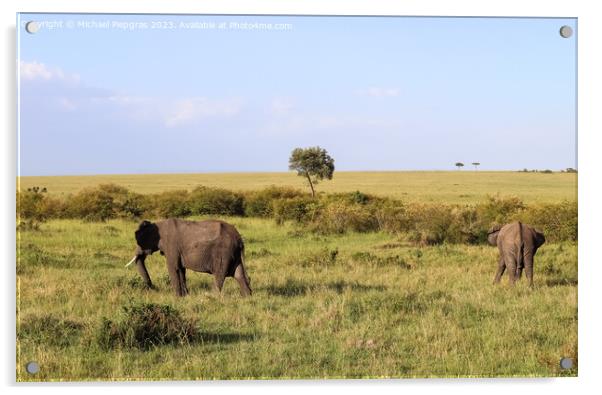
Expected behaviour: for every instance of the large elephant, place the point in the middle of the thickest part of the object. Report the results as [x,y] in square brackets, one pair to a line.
[517,243]
[212,246]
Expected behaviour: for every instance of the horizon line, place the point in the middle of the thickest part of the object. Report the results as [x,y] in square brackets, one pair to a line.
[292,172]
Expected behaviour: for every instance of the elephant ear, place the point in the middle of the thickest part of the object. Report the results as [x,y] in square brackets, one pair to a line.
[492,234]
[147,236]
[494,228]
[539,239]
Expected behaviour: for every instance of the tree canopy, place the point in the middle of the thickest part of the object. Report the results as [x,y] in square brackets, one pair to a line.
[313,163]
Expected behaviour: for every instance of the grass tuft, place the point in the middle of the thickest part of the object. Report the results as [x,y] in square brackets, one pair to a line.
[145,326]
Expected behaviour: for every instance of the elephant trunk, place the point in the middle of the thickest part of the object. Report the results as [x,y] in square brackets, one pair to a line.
[142,270]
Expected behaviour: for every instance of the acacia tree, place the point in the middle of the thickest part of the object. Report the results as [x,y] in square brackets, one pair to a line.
[313,163]
[459,165]
[475,164]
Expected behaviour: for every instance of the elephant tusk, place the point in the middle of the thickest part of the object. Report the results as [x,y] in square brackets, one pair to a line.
[130,262]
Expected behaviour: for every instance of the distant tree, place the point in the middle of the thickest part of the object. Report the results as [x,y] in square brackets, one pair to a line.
[313,163]
[571,170]
[459,165]
[37,190]
[475,164]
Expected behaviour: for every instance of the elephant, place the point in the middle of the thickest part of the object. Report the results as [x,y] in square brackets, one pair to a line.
[517,243]
[210,246]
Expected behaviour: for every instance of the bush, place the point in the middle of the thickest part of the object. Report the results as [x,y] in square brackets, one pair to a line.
[29,205]
[466,226]
[135,206]
[356,197]
[393,217]
[216,201]
[260,203]
[92,205]
[557,221]
[426,224]
[37,206]
[144,326]
[431,223]
[298,209]
[171,204]
[105,202]
[340,217]
[499,210]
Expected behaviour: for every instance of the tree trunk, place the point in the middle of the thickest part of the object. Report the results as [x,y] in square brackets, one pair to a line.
[313,193]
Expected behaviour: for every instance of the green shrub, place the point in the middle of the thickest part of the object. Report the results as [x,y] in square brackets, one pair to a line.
[341,217]
[558,221]
[499,210]
[298,209]
[101,203]
[260,203]
[135,206]
[38,206]
[216,201]
[355,197]
[171,204]
[144,326]
[29,205]
[431,223]
[392,216]
[92,204]
[359,197]
[466,226]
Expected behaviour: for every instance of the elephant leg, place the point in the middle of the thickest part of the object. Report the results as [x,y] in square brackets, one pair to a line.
[173,265]
[519,273]
[241,277]
[529,268]
[144,273]
[500,270]
[182,279]
[218,282]
[510,261]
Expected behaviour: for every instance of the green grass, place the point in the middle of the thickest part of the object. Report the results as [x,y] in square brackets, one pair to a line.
[380,308]
[444,186]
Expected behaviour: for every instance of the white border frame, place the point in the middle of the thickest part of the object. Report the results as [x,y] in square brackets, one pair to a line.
[590,165]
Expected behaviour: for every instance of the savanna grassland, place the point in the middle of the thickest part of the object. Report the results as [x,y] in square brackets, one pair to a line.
[351,304]
[427,186]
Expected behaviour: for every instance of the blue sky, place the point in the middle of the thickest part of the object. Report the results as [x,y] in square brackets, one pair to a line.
[379,93]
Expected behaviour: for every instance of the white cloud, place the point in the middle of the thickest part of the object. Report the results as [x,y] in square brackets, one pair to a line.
[69,94]
[67,104]
[125,100]
[39,71]
[281,105]
[193,109]
[379,92]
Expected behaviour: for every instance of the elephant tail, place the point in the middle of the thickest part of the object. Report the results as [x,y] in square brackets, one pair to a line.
[520,254]
[242,259]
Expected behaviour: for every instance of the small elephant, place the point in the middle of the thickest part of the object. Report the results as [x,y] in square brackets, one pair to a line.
[517,243]
[211,246]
